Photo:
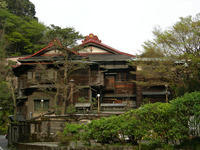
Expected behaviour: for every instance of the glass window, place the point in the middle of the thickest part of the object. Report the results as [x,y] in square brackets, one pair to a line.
[41,104]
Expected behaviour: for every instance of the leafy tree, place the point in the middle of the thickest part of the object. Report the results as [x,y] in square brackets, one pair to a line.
[5,105]
[3,4]
[22,8]
[182,38]
[65,40]
[65,67]
[173,56]
[23,36]
[67,36]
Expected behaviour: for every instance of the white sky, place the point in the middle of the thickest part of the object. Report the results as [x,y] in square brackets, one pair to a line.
[121,24]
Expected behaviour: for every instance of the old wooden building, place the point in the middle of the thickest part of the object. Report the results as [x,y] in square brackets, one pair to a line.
[57,84]
[104,84]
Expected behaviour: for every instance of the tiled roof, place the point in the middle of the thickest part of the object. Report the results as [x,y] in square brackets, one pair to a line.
[89,40]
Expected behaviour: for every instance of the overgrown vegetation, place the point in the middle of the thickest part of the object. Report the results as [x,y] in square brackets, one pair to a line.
[22,34]
[171,58]
[158,123]
[6,106]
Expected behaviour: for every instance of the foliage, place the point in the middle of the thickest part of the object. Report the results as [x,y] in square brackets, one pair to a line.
[22,35]
[4,94]
[72,132]
[153,71]
[64,40]
[5,105]
[104,130]
[22,8]
[158,123]
[182,38]
[82,99]
[3,4]
[130,127]
[70,109]
[186,111]
[67,36]
[173,57]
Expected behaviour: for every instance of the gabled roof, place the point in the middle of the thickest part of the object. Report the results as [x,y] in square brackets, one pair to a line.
[90,40]
[38,53]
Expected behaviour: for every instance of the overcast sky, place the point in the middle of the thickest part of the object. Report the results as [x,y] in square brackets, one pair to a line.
[122,24]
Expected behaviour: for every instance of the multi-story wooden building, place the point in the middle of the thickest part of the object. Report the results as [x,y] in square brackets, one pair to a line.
[106,83]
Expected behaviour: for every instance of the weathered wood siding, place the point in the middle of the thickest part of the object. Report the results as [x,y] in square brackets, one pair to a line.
[124,87]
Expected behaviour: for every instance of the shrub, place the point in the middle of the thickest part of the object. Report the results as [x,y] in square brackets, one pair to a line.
[159,123]
[131,127]
[186,112]
[104,130]
[72,132]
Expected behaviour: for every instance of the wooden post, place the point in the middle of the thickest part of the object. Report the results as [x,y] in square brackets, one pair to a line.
[166,93]
[90,89]
[72,91]
[139,96]
[98,99]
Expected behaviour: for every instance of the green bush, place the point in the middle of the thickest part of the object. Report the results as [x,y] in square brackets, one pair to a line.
[131,127]
[158,123]
[104,130]
[186,112]
[72,132]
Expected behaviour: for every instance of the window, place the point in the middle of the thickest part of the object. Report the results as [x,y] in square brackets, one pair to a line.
[52,75]
[41,104]
[38,75]
[121,76]
[30,75]
[84,93]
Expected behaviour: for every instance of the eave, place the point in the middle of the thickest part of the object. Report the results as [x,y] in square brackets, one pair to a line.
[91,40]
